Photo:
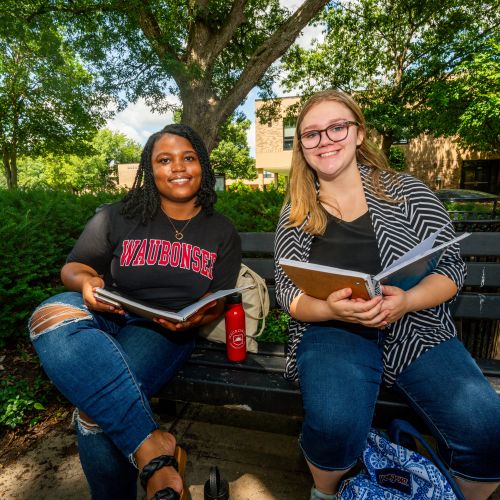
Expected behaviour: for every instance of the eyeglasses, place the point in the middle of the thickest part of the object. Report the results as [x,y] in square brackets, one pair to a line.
[336,132]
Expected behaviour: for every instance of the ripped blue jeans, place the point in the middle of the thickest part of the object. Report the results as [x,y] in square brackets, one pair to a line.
[108,366]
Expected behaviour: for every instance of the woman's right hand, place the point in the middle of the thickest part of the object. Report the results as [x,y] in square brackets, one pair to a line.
[81,278]
[339,306]
[89,285]
[365,312]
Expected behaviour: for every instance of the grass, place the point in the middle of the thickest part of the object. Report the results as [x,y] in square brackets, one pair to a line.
[25,391]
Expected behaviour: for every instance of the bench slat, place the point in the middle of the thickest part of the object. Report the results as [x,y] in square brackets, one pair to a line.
[257,242]
[263,267]
[483,274]
[479,306]
[477,244]
[254,362]
[216,386]
[480,244]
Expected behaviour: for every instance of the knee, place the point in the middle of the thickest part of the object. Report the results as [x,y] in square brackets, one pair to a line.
[332,444]
[330,430]
[484,435]
[52,315]
[474,450]
[83,424]
[477,418]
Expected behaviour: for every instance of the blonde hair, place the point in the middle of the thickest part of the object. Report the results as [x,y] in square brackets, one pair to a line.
[302,193]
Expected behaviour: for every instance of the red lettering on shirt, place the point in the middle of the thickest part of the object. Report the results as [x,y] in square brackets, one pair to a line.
[164,253]
[129,248]
[210,268]
[175,254]
[205,256]
[186,255]
[196,265]
[141,254]
[154,246]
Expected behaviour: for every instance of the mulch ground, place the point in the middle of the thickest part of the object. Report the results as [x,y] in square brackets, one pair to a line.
[20,362]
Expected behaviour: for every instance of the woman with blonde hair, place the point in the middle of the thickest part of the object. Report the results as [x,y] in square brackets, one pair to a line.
[345,208]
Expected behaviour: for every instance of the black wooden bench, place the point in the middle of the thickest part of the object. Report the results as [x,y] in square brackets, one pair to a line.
[258,382]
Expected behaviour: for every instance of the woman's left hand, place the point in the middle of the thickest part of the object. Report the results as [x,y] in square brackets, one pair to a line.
[192,322]
[395,302]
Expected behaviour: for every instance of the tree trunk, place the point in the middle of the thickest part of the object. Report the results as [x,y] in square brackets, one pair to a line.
[387,140]
[9,166]
[203,113]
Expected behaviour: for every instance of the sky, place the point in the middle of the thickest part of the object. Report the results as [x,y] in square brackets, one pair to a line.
[138,122]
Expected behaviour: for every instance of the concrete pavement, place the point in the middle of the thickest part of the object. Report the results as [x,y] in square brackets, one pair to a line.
[257,453]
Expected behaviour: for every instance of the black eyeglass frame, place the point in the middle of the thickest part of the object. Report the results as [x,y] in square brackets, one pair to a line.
[346,123]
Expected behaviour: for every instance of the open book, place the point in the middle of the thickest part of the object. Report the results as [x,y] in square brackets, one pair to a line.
[141,308]
[320,281]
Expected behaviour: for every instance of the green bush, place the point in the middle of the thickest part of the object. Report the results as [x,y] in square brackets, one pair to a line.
[251,211]
[276,329]
[37,232]
[397,159]
[469,207]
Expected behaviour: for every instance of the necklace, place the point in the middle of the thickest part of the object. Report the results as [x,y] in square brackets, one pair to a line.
[178,232]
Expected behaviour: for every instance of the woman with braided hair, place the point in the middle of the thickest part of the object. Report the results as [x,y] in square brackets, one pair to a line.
[164,244]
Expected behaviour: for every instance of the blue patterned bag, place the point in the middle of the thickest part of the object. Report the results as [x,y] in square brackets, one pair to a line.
[393,472]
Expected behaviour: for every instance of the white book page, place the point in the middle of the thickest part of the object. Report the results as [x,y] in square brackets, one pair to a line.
[190,310]
[323,268]
[151,312]
[422,257]
[417,250]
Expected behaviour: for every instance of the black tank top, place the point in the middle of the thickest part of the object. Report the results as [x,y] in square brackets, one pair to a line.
[348,245]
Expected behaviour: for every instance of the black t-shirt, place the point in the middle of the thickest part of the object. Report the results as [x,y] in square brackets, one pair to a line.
[148,263]
[348,245]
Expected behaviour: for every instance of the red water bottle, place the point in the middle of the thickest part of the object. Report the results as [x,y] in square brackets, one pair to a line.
[236,347]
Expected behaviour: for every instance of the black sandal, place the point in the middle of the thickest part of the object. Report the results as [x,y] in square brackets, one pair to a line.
[158,463]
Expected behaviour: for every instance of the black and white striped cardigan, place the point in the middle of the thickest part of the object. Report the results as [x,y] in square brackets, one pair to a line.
[398,228]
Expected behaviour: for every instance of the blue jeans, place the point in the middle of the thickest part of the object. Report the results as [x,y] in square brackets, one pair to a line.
[109,366]
[340,373]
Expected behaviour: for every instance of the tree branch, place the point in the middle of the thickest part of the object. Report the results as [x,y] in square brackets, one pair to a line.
[205,45]
[152,31]
[273,48]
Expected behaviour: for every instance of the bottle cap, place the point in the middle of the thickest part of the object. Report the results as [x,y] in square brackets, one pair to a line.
[215,487]
[234,298]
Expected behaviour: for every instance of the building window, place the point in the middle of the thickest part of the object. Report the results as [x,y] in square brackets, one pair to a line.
[288,133]
[481,175]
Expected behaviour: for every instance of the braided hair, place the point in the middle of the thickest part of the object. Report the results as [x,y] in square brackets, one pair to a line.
[143,199]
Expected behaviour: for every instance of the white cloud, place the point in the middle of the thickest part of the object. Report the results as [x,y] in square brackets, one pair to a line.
[138,122]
